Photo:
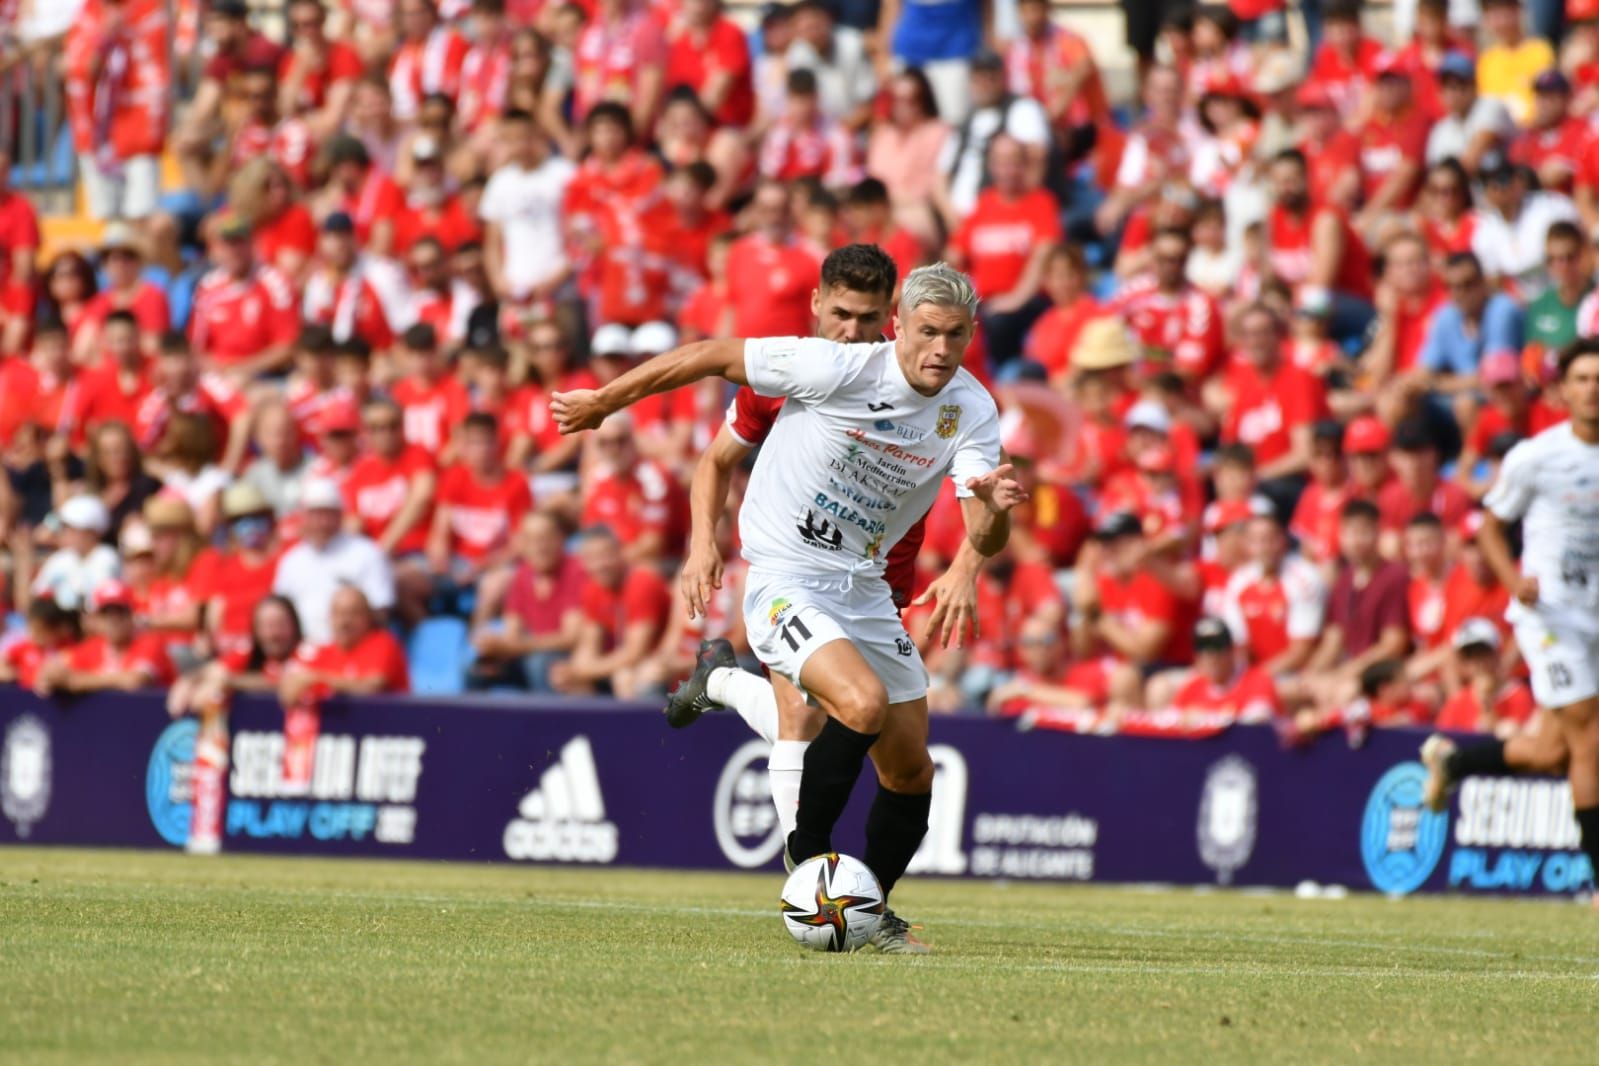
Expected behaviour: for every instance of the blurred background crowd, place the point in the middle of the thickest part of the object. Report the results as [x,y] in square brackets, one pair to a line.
[1267,293]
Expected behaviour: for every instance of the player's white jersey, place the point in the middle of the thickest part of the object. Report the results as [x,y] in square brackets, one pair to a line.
[856,456]
[1551,483]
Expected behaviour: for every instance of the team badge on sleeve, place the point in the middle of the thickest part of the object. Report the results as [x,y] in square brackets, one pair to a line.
[949,420]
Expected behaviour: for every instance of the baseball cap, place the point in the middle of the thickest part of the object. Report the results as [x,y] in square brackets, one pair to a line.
[1499,368]
[1150,415]
[1365,435]
[86,513]
[426,149]
[1389,64]
[1552,80]
[1495,166]
[1313,301]
[1458,65]
[321,494]
[111,593]
[340,416]
[612,339]
[1212,634]
[652,338]
[1224,513]
[1118,524]
[243,498]
[338,222]
[1476,632]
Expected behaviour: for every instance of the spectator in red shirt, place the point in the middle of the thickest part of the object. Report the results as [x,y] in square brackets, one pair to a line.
[428,59]
[621,57]
[256,667]
[1556,143]
[170,598]
[118,86]
[242,573]
[179,387]
[113,388]
[1393,146]
[362,659]
[125,290]
[1315,520]
[1417,487]
[1222,683]
[1368,619]
[692,224]
[244,320]
[285,233]
[776,272]
[316,75]
[1276,602]
[339,293]
[639,500]
[624,614]
[1043,676]
[1313,244]
[1178,323]
[1509,410]
[1424,555]
[478,507]
[19,235]
[433,209]
[389,493]
[433,398]
[1407,296]
[1053,337]
[707,52]
[542,616]
[1004,243]
[1121,610]
[806,143]
[118,657]
[1487,701]
[52,630]
[359,188]
[233,48]
[1270,405]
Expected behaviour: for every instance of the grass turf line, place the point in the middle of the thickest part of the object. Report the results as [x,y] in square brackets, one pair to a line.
[153,957]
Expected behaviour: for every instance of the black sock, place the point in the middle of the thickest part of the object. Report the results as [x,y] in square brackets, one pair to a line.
[1588,822]
[894,830]
[832,764]
[1480,760]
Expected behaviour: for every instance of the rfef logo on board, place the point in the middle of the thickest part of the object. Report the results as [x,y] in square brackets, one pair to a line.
[1401,841]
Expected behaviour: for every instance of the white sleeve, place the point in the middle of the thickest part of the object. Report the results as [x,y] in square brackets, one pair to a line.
[977,454]
[491,205]
[1307,603]
[283,583]
[1513,490]
[377,579]
[808,369]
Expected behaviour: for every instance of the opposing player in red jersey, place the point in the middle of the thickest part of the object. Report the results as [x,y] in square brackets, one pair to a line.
[851,306]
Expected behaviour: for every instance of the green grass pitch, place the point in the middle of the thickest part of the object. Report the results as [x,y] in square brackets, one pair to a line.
[133,957]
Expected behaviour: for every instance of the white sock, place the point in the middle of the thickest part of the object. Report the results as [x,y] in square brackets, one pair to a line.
[784,767]
[748,694]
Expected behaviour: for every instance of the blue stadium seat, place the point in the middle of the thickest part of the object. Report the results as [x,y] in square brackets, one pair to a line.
[439,653]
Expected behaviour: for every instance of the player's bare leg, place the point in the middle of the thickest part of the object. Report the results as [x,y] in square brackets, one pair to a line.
[856,704]
[1579,723]
[1539,750]
[898,818]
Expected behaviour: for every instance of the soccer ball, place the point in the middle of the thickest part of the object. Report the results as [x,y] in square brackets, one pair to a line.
[832,903]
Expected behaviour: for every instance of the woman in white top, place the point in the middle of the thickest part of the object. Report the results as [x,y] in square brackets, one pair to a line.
[187,453]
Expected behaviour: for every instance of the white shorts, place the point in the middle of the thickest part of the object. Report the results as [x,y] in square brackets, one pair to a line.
[1563,661]
[133,192]
[788,618]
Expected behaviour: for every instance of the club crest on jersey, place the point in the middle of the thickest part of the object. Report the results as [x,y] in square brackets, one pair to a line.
[949,420]
[875,545]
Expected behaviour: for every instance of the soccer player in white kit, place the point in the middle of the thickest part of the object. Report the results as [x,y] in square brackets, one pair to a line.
[1551,485]
[855,457]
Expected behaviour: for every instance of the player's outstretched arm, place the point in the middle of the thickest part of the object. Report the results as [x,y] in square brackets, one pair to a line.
[987,510]
[707,499]
[586,408]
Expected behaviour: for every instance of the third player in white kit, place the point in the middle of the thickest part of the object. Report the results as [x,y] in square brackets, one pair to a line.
[858,454]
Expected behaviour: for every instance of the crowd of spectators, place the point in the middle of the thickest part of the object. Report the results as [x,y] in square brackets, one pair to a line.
[1261,334]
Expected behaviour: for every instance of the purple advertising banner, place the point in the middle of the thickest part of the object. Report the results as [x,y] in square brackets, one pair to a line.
[575,783]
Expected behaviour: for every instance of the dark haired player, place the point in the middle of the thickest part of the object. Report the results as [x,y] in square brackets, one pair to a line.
[1551,485]
[852,463]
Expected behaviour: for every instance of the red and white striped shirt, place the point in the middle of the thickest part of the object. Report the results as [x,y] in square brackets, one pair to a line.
[421,68]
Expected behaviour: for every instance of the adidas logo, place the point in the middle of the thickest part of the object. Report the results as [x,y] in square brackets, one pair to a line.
[563,819]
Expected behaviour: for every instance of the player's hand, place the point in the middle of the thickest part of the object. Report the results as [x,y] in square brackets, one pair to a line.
[954,599]
[998,489]
[577,410]
[1526,591]
[702,574]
